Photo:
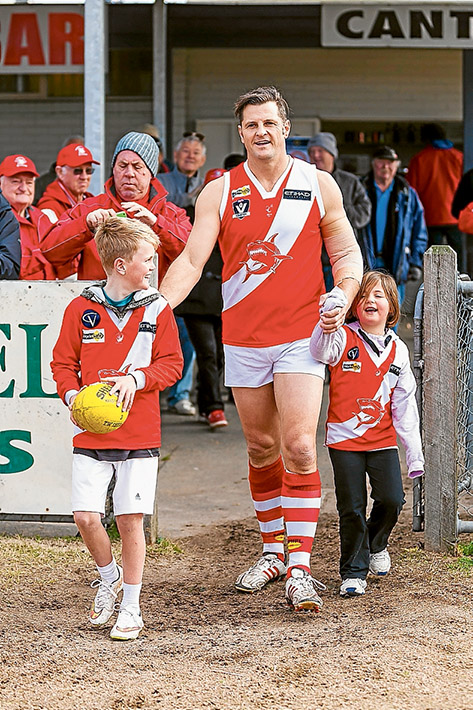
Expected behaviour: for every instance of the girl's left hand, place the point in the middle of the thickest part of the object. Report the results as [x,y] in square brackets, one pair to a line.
[124,388]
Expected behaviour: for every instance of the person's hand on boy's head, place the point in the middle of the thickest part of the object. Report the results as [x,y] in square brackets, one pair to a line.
[139,212]
[97,217]
[124,387]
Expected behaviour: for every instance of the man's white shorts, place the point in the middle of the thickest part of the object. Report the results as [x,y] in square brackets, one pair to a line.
[255,367]
[134,490]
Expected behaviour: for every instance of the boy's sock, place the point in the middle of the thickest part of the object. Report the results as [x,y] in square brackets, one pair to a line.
[265,487]
[301,505]
[109,573]
[131,596]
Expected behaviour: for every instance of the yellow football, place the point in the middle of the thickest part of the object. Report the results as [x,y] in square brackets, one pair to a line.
[95,409]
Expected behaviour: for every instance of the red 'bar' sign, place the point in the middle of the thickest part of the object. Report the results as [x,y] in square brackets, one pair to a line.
[41,40]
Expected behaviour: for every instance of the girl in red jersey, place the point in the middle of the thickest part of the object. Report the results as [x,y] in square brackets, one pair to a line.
[372,399]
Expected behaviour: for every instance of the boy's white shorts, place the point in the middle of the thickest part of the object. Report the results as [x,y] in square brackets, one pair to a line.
[255,367]
[134,490]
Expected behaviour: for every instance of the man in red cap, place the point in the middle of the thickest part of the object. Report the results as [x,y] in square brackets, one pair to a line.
[17,178]
[74,168]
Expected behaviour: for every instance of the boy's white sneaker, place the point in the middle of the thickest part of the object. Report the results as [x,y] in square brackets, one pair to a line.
[268,568]
[380,563]
[128,624]
[104,602]
[353,587]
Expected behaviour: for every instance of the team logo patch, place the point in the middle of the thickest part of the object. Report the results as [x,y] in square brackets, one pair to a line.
[351,366]
[93,336]
[145,327]
[241,208]
[371,411]
[90,318]
[395,370]
[353,353]
[263,257]
[296,194]
[294,545]
[241,192]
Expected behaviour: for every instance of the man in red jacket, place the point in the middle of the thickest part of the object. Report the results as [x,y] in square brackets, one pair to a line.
[74,168]
[17,177]
[133,189]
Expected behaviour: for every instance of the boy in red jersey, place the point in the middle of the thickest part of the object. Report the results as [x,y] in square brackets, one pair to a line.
[122,331]
[271,215]
[372,398]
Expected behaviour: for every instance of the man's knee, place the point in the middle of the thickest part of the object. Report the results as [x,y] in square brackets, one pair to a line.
[262,450]
[299,452]
[86,520]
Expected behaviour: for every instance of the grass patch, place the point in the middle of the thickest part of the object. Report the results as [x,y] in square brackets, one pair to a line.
[163,547]
[464,559]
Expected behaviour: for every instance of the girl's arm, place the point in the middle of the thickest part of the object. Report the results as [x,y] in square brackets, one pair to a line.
[406,416]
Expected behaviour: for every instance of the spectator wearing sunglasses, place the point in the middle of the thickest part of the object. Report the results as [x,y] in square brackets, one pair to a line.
[74,168]
[184,183]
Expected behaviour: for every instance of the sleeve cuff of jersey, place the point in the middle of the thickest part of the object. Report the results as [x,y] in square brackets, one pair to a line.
[68,395]
[416,466]
[140,378]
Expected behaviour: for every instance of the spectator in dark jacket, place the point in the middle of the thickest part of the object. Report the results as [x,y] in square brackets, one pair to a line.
[10,244]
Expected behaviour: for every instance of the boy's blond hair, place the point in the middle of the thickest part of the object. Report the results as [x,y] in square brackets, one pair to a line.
[388,284]
[121,237]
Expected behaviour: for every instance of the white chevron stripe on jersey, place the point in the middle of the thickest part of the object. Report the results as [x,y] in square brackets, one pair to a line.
[139,355]
[290,218]
[342,431]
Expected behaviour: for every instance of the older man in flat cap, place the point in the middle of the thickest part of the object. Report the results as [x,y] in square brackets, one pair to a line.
[133,189]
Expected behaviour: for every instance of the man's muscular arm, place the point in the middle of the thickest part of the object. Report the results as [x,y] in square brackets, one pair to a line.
[185,271]
[342,248]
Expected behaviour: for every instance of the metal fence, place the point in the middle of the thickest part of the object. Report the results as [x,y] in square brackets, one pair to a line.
[443,366]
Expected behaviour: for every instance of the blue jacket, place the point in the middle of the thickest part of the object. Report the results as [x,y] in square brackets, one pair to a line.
[10,242]
[406,225]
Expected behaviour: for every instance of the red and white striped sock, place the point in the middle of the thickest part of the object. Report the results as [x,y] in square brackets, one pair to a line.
[265,488]
[300,499]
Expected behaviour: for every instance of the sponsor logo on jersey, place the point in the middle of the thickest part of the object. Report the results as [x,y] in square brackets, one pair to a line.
[279,538]
[370,413]
[145,327]
[241,208]
[351,366]
[93,336]
[296,194]
[294,545]
[395,370]
[263,257]
[90,318]
[241,192]
[353,353]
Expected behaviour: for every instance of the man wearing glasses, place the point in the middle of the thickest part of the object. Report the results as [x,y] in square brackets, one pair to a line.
[183,183]
[133,189]
[74,168]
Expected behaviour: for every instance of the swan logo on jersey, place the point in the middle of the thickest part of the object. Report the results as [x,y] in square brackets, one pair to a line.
[241,208]
[371,411]
[90,318]
[263,257]
[241,192]
[93,336]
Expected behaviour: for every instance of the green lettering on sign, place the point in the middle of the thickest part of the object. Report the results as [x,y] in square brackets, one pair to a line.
[33,362]
[8,392]
[18,459]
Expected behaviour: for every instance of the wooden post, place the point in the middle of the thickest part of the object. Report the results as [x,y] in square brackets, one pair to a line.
[440,398]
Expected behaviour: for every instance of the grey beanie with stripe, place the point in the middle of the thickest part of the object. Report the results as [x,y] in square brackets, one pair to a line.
[143,145]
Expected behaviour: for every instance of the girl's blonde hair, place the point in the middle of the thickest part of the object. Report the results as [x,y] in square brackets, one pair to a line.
[121,237]
[369,281]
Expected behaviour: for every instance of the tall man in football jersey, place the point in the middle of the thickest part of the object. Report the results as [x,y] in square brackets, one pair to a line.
[271,216]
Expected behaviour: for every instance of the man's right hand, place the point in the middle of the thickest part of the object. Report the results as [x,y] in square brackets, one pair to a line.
[97,217]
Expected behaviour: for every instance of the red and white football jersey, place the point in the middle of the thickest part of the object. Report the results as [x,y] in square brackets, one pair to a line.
[361,385]
[271,247]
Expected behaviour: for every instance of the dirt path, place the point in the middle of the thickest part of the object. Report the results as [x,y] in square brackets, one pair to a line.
[406,644]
